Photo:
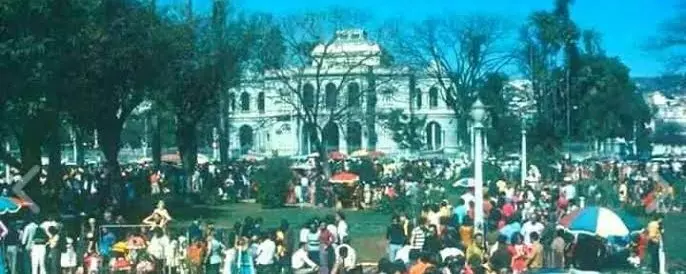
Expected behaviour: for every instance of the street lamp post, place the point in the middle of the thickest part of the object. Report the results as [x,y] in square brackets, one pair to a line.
[523,158]
[478,114]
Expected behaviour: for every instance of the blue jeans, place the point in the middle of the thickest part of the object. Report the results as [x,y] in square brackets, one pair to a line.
[392,251]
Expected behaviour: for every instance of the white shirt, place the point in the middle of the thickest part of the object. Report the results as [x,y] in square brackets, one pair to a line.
[350,261]
[342,230]
[530,227]
[451,252]
[300,259]
[266,251]
[304,181]
[403,254]
[27,235]
[303,235]
[569,191]
[158,247]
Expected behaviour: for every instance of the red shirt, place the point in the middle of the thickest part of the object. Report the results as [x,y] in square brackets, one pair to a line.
[508,210]
[325,237]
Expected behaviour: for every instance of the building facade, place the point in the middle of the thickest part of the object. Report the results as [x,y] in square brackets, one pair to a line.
[265,117]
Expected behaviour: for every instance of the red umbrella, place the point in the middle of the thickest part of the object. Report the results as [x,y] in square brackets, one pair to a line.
[344,178]
[337,155]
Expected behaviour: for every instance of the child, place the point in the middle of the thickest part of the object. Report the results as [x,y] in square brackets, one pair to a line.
[91,263]
[634,260]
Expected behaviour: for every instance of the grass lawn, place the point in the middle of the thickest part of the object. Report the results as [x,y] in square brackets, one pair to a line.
[675,240]
[367,228]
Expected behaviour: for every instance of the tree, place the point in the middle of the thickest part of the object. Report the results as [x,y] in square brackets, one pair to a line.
[504,126]
[457,52]
[573,80]
[672,40]
[305,82]
[122,39]
[407,129]
[206,57]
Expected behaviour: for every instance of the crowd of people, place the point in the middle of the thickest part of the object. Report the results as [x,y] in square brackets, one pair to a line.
[107,230]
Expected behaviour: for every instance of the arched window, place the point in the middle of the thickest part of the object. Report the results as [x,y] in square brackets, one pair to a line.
[245,138]
[308,96]
[450,98]
[354,136]
[260,102]
[232,102]
[434,136]
[331,96]
[245,101]
[433,97]
[330,136]
[353,95]
[417,98]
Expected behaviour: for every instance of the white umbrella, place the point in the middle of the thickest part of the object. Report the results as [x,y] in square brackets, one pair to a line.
[464,182]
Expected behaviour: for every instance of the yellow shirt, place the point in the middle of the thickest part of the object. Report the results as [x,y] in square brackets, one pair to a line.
[474,251]
[654,233]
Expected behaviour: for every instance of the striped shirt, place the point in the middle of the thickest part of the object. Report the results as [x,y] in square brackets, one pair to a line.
[418,238]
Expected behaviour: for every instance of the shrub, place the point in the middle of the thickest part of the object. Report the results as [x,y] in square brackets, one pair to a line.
[273,179]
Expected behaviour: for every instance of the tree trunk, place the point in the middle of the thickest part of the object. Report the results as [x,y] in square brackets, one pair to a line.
[187,143]
[109,135]
[323,157]
[30,148]
[156,136]
[372,138]
[54,148]
[223,128]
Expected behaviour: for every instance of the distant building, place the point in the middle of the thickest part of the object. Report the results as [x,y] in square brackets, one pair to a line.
[262,122]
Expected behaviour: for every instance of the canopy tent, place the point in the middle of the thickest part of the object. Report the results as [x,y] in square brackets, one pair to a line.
[344,178]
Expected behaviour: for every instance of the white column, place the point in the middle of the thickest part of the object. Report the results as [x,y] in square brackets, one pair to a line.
[478,180]
[523,157]
[74,150]
[8,177]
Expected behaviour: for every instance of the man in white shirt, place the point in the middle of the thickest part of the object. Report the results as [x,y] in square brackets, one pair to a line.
[304,184]
[341,228]
[301,263]
[264,255]
[533,225]
[347,256]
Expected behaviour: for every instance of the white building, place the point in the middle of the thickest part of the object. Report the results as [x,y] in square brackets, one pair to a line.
[263,118]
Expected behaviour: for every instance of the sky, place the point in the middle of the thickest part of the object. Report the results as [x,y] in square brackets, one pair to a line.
[624,24]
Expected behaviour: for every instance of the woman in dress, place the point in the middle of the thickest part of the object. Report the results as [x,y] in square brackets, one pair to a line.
[159,217]
[68,257]
[244,258]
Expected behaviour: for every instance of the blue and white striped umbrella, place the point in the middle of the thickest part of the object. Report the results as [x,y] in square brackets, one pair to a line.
[600,221]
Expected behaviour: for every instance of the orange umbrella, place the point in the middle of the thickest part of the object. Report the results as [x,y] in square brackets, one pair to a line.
[344,178]
[337,155]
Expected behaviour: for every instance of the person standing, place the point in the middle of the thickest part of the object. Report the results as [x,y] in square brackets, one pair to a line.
[395,236]
[214,255]
[27,236]
[39,251]
[12,243]
[654,241]
[558,247]
[341,228]
[265,254]
[419,235]
[535,256]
